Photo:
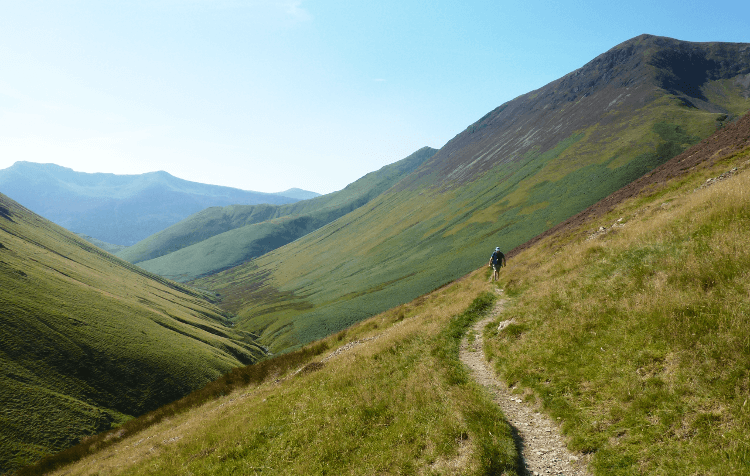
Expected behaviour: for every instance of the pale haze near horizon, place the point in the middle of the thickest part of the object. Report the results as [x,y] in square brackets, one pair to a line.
[267,95]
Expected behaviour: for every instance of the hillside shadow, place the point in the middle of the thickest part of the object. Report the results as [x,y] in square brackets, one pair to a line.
[5,213]
[522,469]
[684,72]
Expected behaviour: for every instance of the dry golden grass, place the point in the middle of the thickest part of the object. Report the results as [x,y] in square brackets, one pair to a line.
[637,338]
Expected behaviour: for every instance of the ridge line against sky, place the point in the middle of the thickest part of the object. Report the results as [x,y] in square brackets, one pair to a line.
[267,95]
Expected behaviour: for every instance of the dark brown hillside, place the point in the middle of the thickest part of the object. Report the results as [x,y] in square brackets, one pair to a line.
[729,140]
[683,68]
[606,93]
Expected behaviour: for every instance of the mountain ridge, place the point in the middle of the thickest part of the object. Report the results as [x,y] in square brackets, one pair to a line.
[219,238]
[298,193]
[117,209]
[624,66]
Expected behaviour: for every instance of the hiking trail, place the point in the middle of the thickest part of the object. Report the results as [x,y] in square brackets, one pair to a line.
[541,448]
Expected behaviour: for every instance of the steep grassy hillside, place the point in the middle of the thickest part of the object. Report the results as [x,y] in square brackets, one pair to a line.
[88,340]
[386,397]
[118,209]
[225,237]
[523,168]
[633,329]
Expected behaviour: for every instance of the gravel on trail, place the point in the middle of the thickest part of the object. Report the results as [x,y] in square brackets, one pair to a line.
[542,449]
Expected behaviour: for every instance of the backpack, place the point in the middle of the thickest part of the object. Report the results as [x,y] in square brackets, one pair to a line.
[496,257]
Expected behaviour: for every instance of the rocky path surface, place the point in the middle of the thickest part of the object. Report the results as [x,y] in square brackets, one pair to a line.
[537,437]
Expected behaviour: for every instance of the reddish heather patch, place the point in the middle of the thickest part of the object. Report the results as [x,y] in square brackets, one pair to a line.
[729,140]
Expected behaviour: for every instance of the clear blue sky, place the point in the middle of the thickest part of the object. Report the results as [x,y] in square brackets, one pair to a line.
[271,94]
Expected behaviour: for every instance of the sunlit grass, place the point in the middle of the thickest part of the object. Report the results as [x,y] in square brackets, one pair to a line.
[638,339]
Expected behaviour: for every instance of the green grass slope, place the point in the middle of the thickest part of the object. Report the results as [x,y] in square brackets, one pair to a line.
[219,238]
[523,168]
[388,396]
[88,340]
[633,330]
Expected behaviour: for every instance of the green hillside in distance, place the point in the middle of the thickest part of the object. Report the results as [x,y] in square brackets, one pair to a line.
[108,247]
[118,209]
[521,169]
[88,340]
[219,238]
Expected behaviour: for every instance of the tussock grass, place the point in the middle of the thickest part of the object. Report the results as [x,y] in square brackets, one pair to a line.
[385,396]
[638,339]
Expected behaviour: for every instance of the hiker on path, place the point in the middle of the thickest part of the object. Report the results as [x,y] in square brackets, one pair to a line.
[497,261]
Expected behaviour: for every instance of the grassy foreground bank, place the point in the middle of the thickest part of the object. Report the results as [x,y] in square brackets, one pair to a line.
[636,337]
[387,396]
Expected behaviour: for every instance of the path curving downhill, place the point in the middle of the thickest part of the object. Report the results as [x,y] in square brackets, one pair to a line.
[538,439]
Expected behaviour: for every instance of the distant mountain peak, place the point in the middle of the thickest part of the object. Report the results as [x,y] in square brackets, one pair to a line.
[640,74]
[118,209]
[298,193]
[28,165]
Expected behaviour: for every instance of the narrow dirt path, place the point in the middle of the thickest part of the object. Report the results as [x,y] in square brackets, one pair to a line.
[537,437]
